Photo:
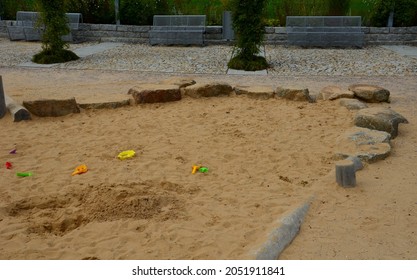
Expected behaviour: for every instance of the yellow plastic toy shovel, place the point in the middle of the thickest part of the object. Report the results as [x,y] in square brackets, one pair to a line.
[126,154]
[80,169]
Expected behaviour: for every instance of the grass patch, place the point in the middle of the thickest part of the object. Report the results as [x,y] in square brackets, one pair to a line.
[50,57]
[254,63]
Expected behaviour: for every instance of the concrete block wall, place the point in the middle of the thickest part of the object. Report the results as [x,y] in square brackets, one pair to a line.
[132,34]
[3,29]
[390,35]
[274,35]
[112,33]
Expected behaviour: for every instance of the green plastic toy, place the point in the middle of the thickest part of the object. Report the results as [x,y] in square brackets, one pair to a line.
[203,169]
[24,174]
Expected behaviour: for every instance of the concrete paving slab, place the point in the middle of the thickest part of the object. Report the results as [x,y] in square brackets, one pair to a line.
[81,52]
[86,51]
[31,64]
[409,51]
[242,72]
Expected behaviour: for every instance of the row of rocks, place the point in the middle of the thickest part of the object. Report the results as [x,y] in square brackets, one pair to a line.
[171,90]
[369,140]
[366,93]
[372,124]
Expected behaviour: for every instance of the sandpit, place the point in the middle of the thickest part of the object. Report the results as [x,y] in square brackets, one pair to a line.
[265,159]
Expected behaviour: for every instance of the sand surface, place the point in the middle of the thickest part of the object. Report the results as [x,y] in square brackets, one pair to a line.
[265,157]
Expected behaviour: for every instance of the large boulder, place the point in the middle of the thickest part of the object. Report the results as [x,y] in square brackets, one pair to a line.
[255,92]
[366,144]
[208,90]
[333,93]
[380,119]
[52,107]
[352,104]
[294,94]
[155,93]
[370,93]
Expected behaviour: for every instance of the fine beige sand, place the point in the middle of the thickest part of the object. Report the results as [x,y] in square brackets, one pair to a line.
[265,158]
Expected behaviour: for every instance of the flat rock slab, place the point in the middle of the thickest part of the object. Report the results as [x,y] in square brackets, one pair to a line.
[370,93]
[333,93]
[366,144]
[52,107]
[155,93]
[105,105]
[380,119]
[352,104]
[90,50]
[357,163]
[294,94]
[255,92]
[178,81]
[208,90]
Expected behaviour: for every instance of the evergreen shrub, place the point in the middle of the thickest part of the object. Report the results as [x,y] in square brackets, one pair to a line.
[249,27]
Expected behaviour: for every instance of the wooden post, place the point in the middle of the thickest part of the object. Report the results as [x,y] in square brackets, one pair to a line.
[18,112]
[2,101]
[116,11]
[345,173]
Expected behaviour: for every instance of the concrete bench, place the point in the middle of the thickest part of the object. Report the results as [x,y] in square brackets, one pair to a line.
[325,31]
[26,26]
[178,30]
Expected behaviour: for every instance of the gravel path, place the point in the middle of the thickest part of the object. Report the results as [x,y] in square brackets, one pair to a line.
[369,61]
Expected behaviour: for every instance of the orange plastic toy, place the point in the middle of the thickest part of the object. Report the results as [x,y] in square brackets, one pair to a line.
[80,169]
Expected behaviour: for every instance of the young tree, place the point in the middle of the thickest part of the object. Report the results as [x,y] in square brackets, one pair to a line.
[54,22]
[404,12]
[249,27]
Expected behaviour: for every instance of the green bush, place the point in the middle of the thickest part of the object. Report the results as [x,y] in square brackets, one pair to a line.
[248,63]
[338,7]
[93,11]
[249,27]
[280,9]
[8,8]
[405,12]
[213,9]
[140,12]
[50,57]
[54,22]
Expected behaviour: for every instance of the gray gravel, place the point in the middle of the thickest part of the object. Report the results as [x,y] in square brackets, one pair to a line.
[369,61]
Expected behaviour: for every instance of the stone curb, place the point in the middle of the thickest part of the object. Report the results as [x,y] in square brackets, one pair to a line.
[282,236]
